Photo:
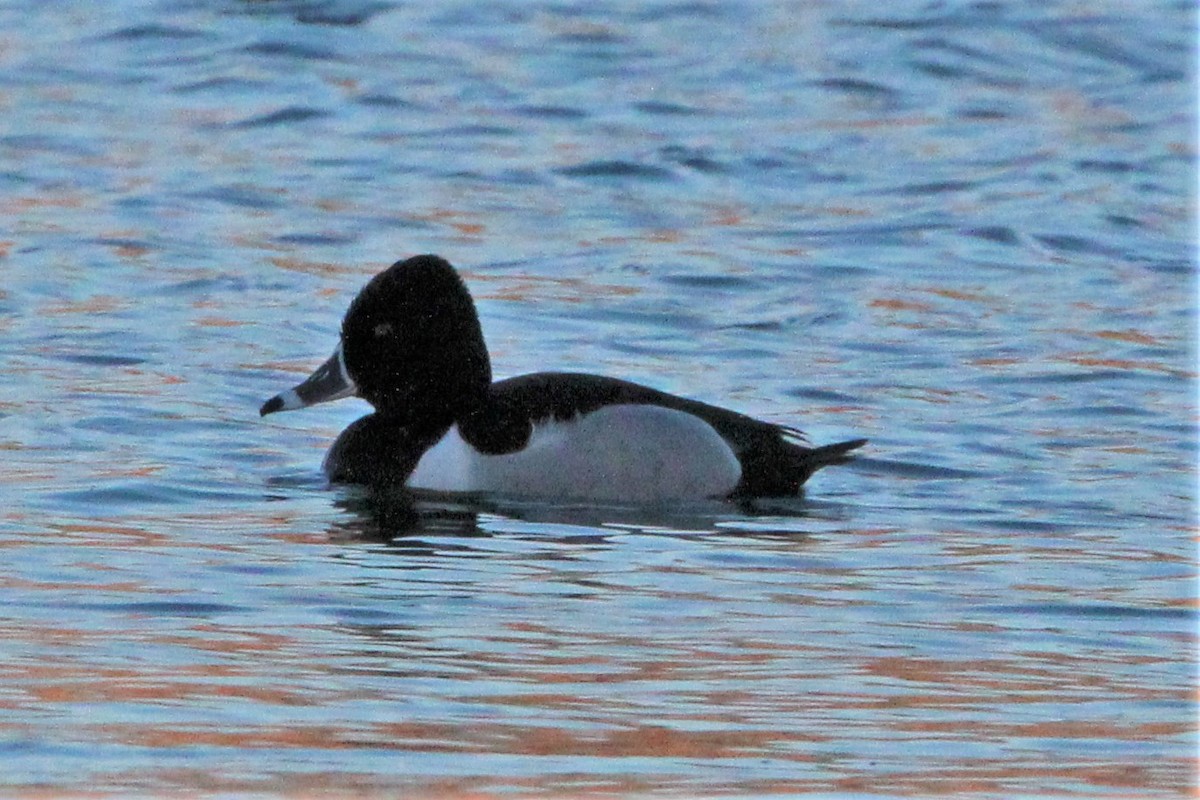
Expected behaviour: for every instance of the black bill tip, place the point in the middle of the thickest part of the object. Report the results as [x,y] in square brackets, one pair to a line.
[271,406]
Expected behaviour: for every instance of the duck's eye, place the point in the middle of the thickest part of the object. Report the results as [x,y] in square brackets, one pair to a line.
[382,329]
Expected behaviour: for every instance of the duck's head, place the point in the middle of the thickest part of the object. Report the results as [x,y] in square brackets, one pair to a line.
[411,346]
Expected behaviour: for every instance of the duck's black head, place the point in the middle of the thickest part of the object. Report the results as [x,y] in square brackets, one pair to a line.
[411,346]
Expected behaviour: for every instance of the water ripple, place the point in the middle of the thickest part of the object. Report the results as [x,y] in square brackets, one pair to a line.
[963,231]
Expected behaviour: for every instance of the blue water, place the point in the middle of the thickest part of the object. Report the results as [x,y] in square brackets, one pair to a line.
[965,231]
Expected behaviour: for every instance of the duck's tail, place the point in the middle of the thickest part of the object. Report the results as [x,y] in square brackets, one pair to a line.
[825,455]
[811,459]
[781,469]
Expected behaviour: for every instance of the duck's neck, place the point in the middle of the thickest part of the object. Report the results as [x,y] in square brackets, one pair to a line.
[494,427]
[434,395]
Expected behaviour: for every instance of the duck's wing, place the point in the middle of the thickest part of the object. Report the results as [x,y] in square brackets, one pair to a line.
[774,461]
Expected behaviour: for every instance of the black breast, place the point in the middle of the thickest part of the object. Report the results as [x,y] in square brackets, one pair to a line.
[378,452]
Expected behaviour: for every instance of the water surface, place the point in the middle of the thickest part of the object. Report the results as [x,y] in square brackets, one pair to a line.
[965,231]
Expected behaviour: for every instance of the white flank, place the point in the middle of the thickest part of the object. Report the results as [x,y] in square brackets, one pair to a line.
[448,466]
[627,453]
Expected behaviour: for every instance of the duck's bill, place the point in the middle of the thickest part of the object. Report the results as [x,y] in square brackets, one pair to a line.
[329,382]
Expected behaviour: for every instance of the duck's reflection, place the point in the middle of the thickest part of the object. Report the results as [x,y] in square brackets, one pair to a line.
[391,516]
[405,517]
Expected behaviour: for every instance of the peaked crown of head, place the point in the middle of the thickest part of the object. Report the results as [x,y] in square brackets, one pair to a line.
[412,342]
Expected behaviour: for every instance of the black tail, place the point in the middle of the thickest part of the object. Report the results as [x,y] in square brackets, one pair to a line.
[783,467]
[828,454]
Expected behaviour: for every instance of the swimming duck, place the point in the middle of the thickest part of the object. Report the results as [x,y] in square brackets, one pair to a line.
[411,345]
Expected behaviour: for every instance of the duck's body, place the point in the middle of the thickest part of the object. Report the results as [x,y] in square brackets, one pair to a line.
[412,346]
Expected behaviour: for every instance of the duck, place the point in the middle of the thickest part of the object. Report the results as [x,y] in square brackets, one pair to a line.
[412,346]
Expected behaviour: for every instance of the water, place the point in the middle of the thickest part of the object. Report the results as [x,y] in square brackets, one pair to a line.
[962,230]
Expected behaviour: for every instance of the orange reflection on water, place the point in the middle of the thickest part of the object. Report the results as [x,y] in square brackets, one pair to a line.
[530,287]
[1128,364]
[723,712]
[326,268]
